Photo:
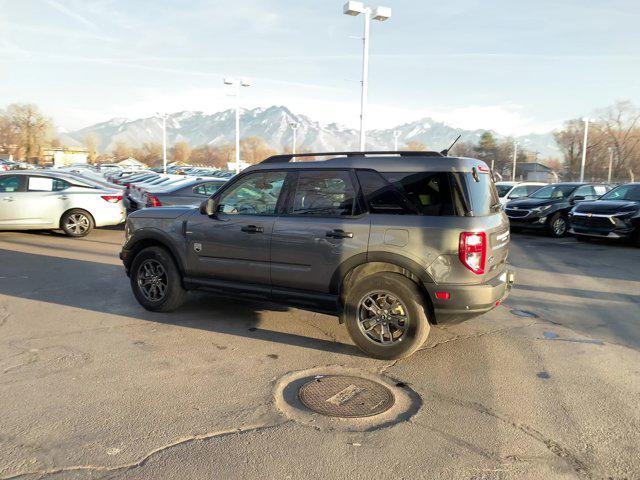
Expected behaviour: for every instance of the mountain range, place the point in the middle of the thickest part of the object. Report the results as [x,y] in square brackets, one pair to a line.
[273,125]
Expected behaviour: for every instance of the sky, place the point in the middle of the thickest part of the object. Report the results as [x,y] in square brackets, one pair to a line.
[512,66]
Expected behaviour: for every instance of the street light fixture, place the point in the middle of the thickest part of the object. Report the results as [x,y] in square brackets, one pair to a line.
[378,13]
[164,141]
[294,126]
[237,84]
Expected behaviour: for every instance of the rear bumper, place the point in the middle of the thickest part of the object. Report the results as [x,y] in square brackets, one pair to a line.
[467,301]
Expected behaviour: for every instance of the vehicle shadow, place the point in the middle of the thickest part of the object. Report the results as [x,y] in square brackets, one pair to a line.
[104,288]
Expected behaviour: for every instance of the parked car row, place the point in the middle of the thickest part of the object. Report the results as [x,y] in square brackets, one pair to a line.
[586,210]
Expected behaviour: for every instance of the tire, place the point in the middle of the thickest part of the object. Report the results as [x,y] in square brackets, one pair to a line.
[414,326]
[77,223]
[557,226]
[144,269]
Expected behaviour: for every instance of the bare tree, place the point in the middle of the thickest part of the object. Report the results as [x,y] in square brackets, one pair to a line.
[29,129]
[181,152]
[91,143]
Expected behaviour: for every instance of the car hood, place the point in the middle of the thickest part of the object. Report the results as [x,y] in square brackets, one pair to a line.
[528,203]
[169,213]
[607,206]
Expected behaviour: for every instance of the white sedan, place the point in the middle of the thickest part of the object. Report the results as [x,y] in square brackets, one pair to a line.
[42,200]
[508,191]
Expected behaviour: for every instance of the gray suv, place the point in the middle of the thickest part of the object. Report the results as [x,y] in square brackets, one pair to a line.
[390,242]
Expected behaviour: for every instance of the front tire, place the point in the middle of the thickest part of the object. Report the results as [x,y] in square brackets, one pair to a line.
[76,223]
[386,317]
[156,280]
[558,226]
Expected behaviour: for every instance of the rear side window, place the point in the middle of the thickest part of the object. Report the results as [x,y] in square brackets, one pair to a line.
[381,196]
[479,192]
[429,192]
[323,193]
[9,183]
[206,189]
[46,184]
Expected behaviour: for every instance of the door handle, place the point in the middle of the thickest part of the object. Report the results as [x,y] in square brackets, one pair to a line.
[63,198]
[252,229]
[8,199]
[339,234]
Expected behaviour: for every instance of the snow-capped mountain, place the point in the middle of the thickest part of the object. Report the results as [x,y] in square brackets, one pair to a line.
[273,125]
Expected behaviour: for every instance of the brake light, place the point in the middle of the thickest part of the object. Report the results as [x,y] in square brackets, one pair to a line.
[153,201]
[112,198]
[473,251]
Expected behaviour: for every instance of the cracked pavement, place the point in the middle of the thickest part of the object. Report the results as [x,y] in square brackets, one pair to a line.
[93,386]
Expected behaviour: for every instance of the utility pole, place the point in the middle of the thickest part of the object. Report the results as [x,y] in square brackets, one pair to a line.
[584,148]
[515,158]
[610,164]
[164,141]
[237,84]
[396,134]
[294,127]
[378,13]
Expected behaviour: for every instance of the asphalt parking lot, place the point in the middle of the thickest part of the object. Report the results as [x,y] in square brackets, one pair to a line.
[93,386]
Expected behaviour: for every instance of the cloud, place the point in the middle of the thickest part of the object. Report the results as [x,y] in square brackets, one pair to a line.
[71,14]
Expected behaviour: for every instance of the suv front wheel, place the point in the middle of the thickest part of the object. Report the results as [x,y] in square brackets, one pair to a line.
[155,280]
[385,316]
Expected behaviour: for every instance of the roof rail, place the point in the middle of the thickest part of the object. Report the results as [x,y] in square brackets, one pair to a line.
[287,157]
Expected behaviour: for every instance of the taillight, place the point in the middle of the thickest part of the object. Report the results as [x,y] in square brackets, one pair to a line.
[153,201]
[112,198]
[473,251]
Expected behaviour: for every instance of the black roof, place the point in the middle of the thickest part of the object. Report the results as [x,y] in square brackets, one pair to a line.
[381,161]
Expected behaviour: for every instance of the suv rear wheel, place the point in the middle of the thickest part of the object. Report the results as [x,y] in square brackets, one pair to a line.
[155,280]
[385,316]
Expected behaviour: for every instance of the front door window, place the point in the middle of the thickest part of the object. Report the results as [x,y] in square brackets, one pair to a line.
[255,194]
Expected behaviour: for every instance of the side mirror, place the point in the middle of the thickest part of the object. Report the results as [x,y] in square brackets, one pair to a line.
[513,197]
[579,198]
[208,207]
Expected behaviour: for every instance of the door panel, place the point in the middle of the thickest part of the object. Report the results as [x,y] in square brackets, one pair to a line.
[318,231]
[303,257]
[235,244]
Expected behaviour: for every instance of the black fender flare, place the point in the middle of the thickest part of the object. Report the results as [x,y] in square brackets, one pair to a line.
[152,236]
[386,257]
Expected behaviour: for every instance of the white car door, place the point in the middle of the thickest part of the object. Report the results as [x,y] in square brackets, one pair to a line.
[10,191]
[43,202]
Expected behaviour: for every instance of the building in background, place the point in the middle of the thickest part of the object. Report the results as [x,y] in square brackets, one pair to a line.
[533,172]
[64,157]
[131,164]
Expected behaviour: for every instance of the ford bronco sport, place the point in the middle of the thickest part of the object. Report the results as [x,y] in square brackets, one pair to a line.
[390,242]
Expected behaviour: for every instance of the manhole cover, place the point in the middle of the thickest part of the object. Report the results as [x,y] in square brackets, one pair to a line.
[523,313]
[347,397]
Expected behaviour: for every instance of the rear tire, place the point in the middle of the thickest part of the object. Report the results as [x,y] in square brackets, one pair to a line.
[156,281]
[76,223]
[396,308]
[557,226]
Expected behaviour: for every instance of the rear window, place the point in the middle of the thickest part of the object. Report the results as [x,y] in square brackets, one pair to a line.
[429,193]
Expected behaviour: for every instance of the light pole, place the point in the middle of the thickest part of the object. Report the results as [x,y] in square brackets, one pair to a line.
[378,13]
[164,141]
[294,127]
[515,158]
[237,84]
[396,134]
[610,164]
[584,148]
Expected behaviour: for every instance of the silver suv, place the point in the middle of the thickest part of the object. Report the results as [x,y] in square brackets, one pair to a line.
[390,242]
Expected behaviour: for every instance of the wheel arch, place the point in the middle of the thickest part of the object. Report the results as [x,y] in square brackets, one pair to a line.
[363,265]
[93,219]
[152,238]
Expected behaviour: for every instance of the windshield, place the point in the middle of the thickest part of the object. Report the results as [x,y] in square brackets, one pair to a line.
[623,192]
[503,190]
[554,191]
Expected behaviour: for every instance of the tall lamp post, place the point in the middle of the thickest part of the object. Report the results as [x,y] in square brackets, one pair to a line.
[396,135]
[515,158]
[164,141]
[378,13]
[584,148]
[294,127]
[610,164]
[236,84]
